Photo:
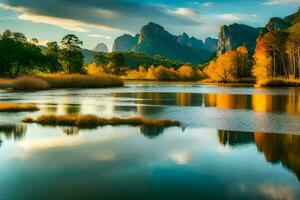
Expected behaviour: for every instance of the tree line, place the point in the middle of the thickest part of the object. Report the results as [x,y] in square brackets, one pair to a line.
[18,55]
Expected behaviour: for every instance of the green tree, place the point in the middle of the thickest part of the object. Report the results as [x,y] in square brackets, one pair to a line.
[17,57]
[70,54]
[53,53]
[117,62]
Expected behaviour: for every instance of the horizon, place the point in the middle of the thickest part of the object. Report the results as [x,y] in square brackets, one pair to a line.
[102,21]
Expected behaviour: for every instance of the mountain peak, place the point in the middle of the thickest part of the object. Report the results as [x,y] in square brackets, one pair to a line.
[101,47]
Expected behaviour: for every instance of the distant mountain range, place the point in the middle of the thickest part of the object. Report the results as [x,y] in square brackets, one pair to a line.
[154,39]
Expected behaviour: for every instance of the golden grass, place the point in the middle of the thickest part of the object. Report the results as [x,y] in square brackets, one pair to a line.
[55,81]
[30,83]
[5,83]
[82,81]
[279,82]
[92,121]
[11,107]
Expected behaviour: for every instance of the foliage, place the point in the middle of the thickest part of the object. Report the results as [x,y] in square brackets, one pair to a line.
[278,54]
[133,60]
[70,54]
[230,66]
[17,57]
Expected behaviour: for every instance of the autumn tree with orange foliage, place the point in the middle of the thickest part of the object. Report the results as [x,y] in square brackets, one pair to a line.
[230,66]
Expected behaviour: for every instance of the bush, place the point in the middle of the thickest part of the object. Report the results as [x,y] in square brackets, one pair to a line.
[30,83]
[188,73]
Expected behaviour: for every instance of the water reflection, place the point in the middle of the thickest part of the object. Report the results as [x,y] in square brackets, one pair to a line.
[276,148]
[126,104]
[15,132]
[151,132]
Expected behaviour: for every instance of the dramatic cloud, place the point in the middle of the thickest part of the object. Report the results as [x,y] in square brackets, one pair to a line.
[282,2]
[76,15]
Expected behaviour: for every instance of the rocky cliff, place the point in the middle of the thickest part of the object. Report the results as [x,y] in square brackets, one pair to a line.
[235,35]
[125,43]
[155,40]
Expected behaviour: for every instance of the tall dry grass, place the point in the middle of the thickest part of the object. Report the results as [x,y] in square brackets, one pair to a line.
[54,81]
[5,83]
[278,82]
[92,121]
[12,107]
[30,83]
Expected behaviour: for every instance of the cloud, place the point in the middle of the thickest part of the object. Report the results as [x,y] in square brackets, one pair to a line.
[282,2]
[237,17]
[208,4]
[79,15]
[230,17]
[99,36]
[68,24]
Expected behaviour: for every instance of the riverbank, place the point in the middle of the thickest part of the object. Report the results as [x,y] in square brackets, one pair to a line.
[59,81]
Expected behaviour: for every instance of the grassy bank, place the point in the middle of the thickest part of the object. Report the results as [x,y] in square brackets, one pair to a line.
[11,107]
[92,121]
[279,82]
[55,81]
[5,83]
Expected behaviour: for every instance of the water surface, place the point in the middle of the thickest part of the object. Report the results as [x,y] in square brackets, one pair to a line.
[235,143]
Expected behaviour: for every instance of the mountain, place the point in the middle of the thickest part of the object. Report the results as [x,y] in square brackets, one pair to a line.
[101,47]
[154,39]
[277,23]
[235,35]
[294,18]
[125,43]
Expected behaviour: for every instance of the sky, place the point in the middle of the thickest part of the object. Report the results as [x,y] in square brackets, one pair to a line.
[95,21]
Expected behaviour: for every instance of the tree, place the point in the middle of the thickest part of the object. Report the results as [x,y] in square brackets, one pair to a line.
[34,40]
[17,57]
[53,53]
[70,55]
[117,62]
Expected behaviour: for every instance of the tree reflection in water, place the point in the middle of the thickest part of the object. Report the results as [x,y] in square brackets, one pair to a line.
[277,148]
[16,132]
[151,132]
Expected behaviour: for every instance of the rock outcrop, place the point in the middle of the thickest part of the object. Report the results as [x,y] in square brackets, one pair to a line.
[101,47]
[235,35]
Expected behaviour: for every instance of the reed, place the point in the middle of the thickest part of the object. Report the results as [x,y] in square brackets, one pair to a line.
[5,83]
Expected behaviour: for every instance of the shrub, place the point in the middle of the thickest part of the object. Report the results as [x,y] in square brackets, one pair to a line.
[188,73]
[30,83]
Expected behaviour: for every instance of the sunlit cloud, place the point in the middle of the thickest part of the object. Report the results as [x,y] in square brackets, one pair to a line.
[68,24]
[181,157]
[230,17]
[282,2]
[272,191]
[99,36]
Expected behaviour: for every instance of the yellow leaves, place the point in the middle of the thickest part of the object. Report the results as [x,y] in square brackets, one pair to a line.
[227,66]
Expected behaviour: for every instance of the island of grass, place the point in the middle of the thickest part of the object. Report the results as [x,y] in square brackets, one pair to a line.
[13,107]
[92,121]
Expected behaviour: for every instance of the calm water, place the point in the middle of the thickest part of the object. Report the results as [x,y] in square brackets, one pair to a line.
[235,143]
